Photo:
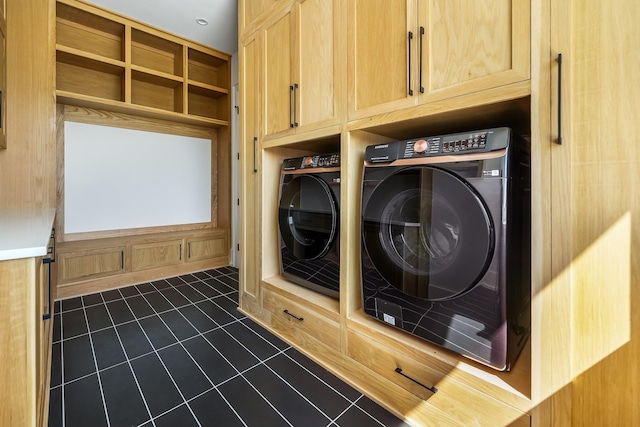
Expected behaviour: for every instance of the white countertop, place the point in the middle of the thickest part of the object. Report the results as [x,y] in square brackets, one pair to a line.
[25,234]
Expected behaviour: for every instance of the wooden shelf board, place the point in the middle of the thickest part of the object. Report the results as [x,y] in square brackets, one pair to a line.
[206,89]
[155,77]
[80,100]
[505,105]
[81,58]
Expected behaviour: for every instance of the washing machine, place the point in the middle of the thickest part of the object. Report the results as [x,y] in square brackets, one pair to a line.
[309,220]
[446,241]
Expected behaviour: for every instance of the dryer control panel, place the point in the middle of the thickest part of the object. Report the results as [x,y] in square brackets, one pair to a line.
[318,161]
[441,145]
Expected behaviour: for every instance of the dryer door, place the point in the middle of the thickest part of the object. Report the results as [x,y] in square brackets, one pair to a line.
[307,217]
[428,232]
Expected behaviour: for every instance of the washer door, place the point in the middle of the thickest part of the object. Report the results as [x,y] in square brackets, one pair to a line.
[428,233]
[307,217]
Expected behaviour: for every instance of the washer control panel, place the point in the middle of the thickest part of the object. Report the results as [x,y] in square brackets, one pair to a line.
[308,162]
[441,145]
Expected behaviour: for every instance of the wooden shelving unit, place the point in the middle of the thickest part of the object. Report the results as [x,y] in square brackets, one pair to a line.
[107,61]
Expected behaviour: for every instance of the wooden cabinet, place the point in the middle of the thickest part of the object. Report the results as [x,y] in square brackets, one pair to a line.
[107,61]
[300,321]
[156,254]
[202,248]
[588,208]
[250,167]
[441,389]
[301,68]
[497,64]
[93,265]
[252,11]
[26,302]
[90,264]
[405,53]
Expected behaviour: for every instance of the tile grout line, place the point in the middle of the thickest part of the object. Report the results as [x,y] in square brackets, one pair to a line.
[165,368]
[95,363]
[194,303]
[62,367]
[199,333]
[124,351]
[297,391]
[320,379]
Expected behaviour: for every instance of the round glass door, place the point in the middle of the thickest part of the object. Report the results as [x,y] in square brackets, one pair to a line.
[428,233]
[307,217]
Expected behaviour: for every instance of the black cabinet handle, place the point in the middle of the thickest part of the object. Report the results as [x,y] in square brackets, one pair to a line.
[255,141]
[292,315]
[51,250]
[295,106]
[47,315]
[559,60]
[409,73]
[421,37]
[290,106]
[431,389]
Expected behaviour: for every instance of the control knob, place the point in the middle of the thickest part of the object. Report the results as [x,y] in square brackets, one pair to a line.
[420,146]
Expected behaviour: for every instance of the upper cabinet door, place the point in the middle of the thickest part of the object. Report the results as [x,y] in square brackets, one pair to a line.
[301,68]
[471,45]
[379,54]
[250,12]
[278,74]
[403,54]
[316,64]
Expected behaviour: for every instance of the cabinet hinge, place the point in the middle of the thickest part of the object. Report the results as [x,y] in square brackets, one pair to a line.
[238,156]
[238,246]
[238,202]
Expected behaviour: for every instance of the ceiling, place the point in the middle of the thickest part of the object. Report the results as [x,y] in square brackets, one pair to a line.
[179,17]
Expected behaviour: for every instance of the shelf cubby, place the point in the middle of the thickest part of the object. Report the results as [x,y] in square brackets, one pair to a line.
[90,77]
[208,69]
[207,102]
[154,91]
[88,32]
[156,53]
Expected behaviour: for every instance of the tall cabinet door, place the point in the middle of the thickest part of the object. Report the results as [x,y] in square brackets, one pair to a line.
[250,188]
[379,53]
[278,79]
[595,187]
[316,63]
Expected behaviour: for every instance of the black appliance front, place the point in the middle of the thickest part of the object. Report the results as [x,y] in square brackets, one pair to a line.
[445,239]
[308,220]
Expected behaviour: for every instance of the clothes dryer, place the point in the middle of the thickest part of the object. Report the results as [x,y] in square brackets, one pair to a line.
[446,241]
[309,219]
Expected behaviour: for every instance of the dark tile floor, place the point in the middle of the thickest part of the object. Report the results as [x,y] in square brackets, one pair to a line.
[176,352]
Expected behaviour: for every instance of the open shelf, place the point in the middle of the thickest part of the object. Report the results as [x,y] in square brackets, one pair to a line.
[90,33]
[156,92]
[208,69]
[79,74]
[156,53]
[104,58]
[209,103]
